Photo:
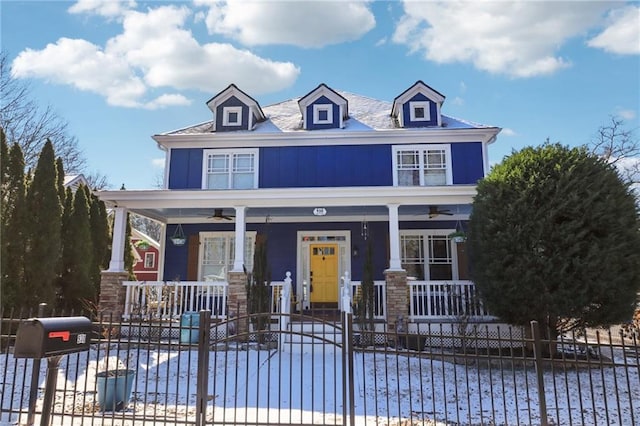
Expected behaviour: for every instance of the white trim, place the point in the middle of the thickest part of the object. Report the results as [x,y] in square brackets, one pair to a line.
[227,111]
[421,149]
[228,236]
[426,107]
[318,108]
[240,231]
[380,137]
[229,152]
[394,239]
[344,262]
[425,233]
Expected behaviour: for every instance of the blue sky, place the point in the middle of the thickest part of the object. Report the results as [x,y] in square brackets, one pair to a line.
[119,72]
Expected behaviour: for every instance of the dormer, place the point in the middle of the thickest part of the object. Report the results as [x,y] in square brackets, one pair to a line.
[418,106]
[323,108]
[234,110]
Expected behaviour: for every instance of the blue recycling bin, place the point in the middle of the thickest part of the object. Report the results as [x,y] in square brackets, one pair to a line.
[189,327]
[114,389]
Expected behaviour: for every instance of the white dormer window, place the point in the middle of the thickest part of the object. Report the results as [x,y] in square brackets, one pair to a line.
[232,116]
[420,111]
[323,114]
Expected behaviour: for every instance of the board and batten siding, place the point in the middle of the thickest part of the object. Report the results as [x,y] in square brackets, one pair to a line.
[324,166]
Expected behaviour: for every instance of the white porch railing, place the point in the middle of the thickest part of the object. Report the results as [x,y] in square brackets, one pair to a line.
[379,294]
[170,299]
[445,300]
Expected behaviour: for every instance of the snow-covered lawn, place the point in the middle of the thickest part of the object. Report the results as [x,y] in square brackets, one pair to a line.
[283,387]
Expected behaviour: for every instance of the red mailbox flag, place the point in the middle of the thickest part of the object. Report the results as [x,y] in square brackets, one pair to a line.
[63,334]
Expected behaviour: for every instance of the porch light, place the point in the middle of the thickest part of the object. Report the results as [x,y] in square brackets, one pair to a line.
[178,238]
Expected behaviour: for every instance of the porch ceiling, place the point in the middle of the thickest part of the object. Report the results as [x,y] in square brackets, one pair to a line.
[195,206]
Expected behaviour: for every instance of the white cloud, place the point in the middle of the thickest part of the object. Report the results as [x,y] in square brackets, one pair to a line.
[458,101]
[626,114]
[304,24]
[516,38]
[154,52]
[106,8]
[463,87]
[622,36]
[157,163]
[507,132]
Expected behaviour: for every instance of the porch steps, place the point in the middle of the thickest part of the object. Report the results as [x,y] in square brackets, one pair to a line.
[311,337]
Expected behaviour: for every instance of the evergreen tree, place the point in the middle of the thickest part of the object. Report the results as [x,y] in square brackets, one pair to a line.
[100,238]
[43,231]
[78,253]
[554,237]
[14,215]
[128,251]
[259,287]
[66,238]
[60,182]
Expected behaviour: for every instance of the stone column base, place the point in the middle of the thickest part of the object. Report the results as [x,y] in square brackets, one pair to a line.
[112,295]
[237,300]
[397,298]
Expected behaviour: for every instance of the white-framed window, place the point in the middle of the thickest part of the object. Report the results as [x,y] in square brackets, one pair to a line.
[217,253]
[420,111]
[323,114]
[230,169]
[422,165]
[149,260]
[232,116]
[428,255]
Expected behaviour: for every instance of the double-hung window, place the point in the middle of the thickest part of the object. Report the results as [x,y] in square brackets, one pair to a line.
[217,254]
[428,255]
[237,169]
[422,165]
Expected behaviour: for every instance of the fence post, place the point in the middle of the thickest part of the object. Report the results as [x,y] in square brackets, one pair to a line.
[537,355]
[202,382]
[285,309]
[35,377]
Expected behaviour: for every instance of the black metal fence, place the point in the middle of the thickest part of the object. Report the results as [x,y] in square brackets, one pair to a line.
[197,371]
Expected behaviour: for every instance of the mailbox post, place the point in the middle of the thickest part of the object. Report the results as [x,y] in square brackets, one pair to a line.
[50,338]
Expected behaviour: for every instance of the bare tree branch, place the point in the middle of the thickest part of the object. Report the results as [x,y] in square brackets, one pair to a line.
[26,123]
[619,145]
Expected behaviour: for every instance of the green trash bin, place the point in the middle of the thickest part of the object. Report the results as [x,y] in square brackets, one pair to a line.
[189,327]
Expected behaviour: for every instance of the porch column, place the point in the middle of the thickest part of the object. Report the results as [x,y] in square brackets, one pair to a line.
[117,241]
[238,263]
[112,295]
[395,263]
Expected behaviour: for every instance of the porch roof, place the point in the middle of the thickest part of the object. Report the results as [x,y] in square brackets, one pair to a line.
[184,206]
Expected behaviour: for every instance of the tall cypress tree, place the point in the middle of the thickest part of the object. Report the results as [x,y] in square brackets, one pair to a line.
[13,230]
[100,238]
[60,182]
[78,253]
[66,236]
[43,231]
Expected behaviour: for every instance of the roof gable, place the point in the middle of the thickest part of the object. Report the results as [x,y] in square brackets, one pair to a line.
[418,98]
[233,109]
[323,108]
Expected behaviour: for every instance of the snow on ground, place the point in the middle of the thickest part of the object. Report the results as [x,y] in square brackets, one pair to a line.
[294,387]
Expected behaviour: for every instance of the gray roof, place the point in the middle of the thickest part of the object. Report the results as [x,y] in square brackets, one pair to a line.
[365,114]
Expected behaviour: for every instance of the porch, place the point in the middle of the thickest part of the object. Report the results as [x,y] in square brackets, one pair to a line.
[438,301]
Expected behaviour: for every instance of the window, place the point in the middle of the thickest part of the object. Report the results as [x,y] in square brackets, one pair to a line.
[428,255]
[420,111]
[232,116]
[426,165]
[231,169]
[322,114]
[217,253]
[149,260]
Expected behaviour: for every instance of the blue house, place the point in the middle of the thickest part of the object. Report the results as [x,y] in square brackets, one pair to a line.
[322,178]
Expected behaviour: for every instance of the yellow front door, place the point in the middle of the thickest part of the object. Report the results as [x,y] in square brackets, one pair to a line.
[324,273]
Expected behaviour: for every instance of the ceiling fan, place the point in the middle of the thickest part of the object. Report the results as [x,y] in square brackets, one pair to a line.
[435,211]
[218,215]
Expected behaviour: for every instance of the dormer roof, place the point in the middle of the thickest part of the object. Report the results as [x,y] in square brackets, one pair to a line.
[421,95]
[234,100]
[317,109]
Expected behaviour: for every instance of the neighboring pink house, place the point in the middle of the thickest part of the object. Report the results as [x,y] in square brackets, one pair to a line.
[146,253]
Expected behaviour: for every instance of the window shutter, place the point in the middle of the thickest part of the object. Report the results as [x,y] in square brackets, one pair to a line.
[192,257]
[463,261]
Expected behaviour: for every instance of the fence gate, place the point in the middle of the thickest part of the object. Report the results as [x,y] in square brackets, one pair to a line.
[257,373]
